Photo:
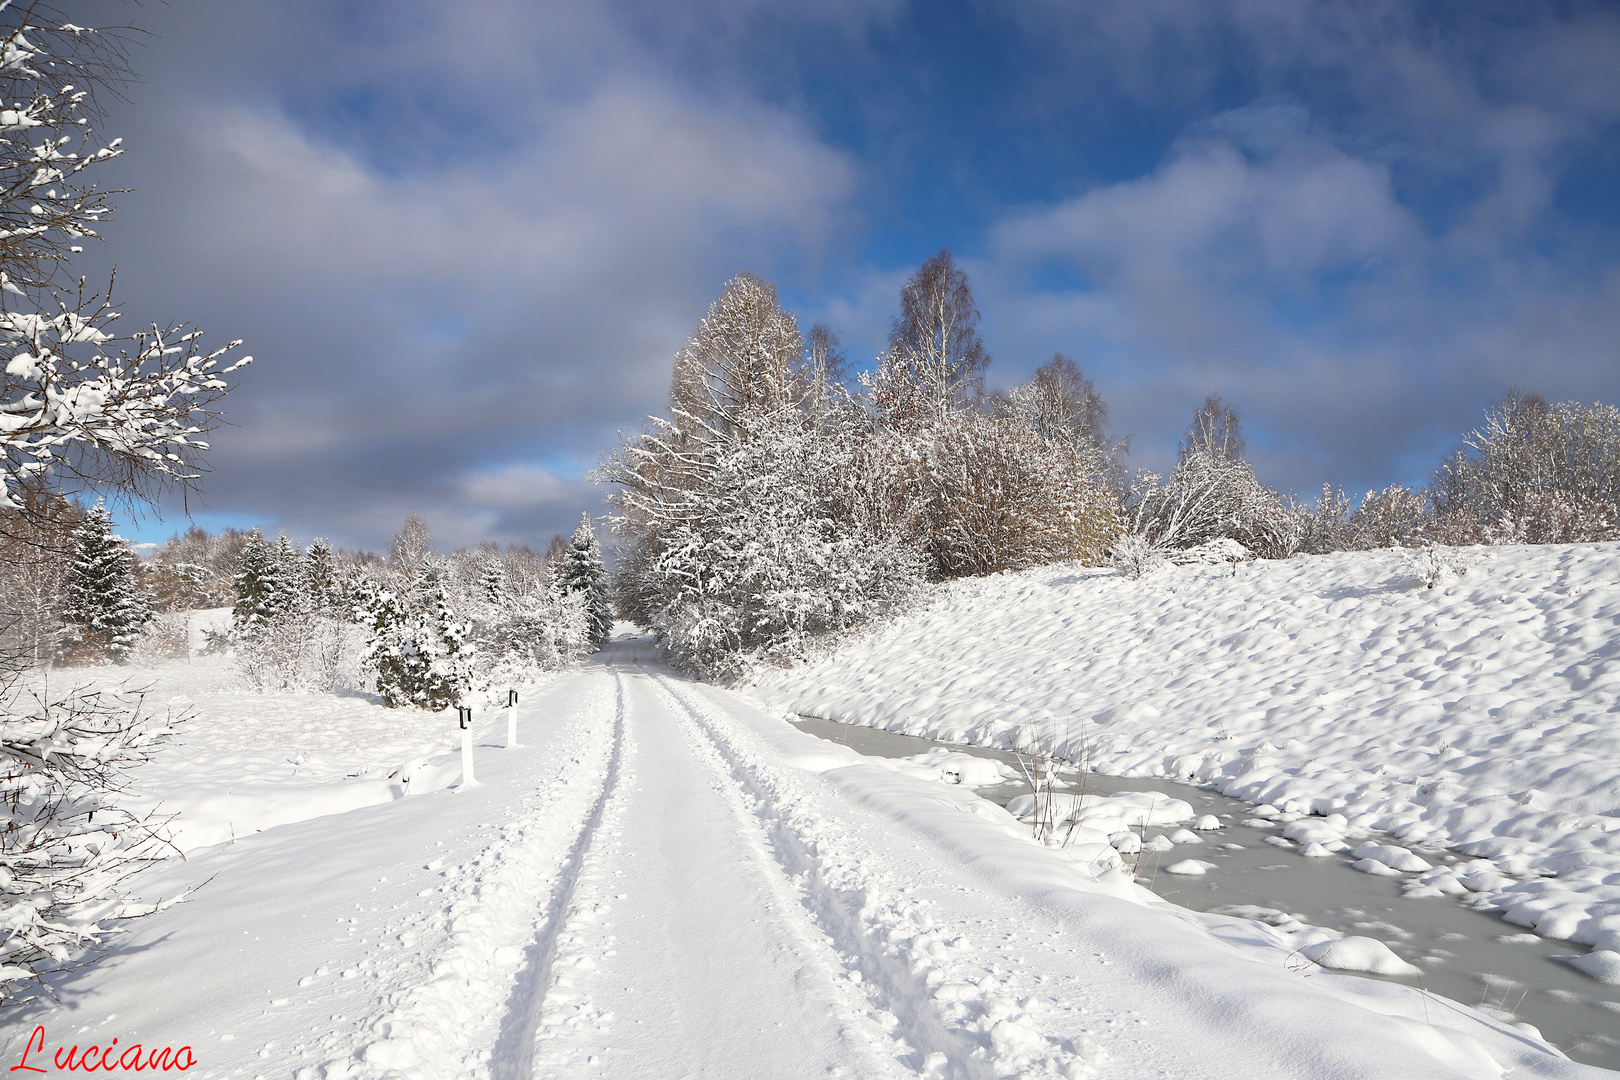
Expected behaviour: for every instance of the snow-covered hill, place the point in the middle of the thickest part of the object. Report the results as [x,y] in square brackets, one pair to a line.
[1482,714]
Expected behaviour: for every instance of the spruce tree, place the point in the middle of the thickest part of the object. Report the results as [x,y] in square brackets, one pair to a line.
[321,577]
[104,606]
[583,571]
[419,649]
[261,592]
[492,582]
[294,578]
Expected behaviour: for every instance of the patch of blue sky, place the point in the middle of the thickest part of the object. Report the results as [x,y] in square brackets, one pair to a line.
[148,528]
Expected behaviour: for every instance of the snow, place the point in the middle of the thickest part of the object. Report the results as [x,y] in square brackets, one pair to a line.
[248,761]
[1190,867]
[1358,954]
[1335,692]
[664,880]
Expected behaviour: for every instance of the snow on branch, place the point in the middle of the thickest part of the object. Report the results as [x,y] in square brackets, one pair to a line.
[120,410]
[65,848]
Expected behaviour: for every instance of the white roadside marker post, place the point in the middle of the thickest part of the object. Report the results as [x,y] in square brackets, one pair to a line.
[464,717]
[511,719]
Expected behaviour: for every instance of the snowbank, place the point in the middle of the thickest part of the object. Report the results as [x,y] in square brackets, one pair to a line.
[1336,690]
[245,761]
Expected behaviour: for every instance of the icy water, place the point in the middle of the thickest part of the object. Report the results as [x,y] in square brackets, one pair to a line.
[1466,955]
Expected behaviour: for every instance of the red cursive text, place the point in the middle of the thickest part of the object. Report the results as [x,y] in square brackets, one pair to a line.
[132,1058]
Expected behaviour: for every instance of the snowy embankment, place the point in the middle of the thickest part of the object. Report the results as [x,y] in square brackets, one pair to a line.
[1482,714]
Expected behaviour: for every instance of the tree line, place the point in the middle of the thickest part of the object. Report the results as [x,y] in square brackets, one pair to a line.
[418,627]
[779,499]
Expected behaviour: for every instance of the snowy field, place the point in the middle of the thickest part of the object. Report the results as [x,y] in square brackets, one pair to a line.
[1335,691]
[664,881]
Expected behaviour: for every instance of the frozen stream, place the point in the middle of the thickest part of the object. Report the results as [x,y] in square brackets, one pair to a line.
[1466,955]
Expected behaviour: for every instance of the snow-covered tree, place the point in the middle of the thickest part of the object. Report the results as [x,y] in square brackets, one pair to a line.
[322,582]
[66,846]
[263,594]
[416,645]
[1536,473]
[103,605]
[492,582]
[741,534]
[409,546]
[83,408]
[1215,432]
[935,361]
[36,547]
[583,571]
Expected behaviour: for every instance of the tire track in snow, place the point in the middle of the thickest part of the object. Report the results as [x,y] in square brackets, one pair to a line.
[685,952]
[442,1021]
[512,1057]
[888,942]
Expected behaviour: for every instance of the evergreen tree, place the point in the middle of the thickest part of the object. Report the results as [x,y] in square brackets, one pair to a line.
[492,582]
[419,650]
[583,571]
[321,577]
[294,574]
[261,589]
[104,607]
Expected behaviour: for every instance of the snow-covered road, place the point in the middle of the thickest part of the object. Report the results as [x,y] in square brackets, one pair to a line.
[683,951]
[666,882]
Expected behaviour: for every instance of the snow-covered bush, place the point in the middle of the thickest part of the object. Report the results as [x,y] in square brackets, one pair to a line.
[1536,473]
[65,847]
[1436,565]
[1217,552]
[1134,555]
[1320,528]
[1206,498]
[1388,518]
[523,637]
[165,637]
[298,651]
[994,495]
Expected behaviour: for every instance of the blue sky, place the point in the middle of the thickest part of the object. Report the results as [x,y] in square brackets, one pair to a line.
[464,241]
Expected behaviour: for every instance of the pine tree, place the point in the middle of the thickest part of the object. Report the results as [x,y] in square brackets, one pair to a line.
[104,606]
[583,571]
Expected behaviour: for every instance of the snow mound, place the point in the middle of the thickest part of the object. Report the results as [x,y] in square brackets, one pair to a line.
[1358,954]
[1601,964]
[1190,867]
[1396,858]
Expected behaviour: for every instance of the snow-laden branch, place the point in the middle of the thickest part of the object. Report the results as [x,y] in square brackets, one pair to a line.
[103,408]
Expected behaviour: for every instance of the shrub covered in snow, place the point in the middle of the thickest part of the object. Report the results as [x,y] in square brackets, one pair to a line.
[65,847]
[1537,473]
